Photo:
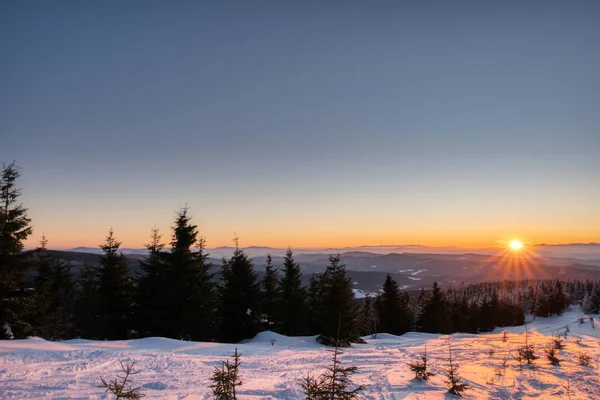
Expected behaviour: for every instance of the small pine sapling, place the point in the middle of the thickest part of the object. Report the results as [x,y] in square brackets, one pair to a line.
[527,351]
[121,385]
[227,378]
[312,388]
[334,383]
[455,385]
[552,354]
[558,343]
[583,359]
[419,367]
[504,336]
[519,359]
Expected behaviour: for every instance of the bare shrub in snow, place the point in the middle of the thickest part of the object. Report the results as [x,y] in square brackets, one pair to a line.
[121,385]
[568,391]
[501,369]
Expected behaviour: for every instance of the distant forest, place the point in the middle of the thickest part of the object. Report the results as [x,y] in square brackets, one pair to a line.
[180,295]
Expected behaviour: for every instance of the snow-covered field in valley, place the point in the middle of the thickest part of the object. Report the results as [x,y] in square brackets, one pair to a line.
[171,369]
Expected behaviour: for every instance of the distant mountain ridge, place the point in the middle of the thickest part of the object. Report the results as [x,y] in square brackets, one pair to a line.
[411,270]
[582,251]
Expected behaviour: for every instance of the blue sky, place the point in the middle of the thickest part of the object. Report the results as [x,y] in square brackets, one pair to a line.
[305,123]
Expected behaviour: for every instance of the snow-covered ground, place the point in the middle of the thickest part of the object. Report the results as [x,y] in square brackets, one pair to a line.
[171,369]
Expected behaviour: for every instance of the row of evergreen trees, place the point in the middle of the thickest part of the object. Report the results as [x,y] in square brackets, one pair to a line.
[179,294]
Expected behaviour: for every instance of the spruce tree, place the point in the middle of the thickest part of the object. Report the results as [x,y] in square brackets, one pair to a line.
[393,309]
[239,303]
[151,288]
[313,304]
[558,299]
[54,292]
[270,297]
[434,314]
[368,318]
[189,295]
[591,301]
[116,291]
[292,311]
[14,263]
[337,300]
[202,296]
[42,285]
[87,303]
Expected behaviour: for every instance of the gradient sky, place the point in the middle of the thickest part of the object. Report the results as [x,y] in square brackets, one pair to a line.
[305,123]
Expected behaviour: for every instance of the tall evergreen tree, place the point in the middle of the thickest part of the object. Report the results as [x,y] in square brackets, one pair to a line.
[190,299]
[151,288]
[591,301]
[116,291]
[87,303]
[434,316]
[53,298]
[292,311]
[393,310]
[368,317]
[490,312]
[270,297]
[202,296]
[239,299]
[313,304]
[14,263]
[558,299]
[337,299]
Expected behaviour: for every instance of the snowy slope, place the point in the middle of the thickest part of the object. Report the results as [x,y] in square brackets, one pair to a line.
[172,369]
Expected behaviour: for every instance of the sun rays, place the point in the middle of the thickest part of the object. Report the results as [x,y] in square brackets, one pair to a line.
[514,261]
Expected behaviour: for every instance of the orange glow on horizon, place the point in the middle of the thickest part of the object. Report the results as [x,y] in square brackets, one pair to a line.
[130,238]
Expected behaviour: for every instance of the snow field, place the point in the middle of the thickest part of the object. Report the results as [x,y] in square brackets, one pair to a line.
[272,365]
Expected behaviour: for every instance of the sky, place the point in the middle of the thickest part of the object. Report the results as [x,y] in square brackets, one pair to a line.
[304,124]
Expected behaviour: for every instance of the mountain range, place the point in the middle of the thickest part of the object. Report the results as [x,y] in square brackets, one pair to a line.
[412,270]
[581,251]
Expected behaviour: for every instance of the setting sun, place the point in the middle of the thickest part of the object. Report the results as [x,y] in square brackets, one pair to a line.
[516,245]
